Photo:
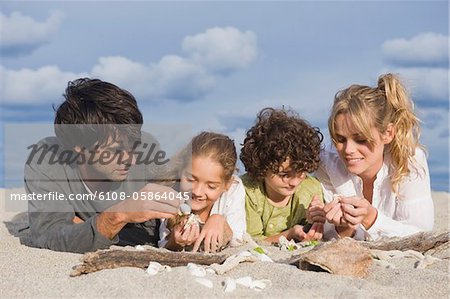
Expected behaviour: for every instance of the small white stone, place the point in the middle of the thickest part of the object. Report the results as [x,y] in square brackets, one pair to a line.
[153,268]
[244,253]
[260,285]
[196,270]
[245,281]
[185,209]
[210,271]
[230,285]
[205,282]
[139,248]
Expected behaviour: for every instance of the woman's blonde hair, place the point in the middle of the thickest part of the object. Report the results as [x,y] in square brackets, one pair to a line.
[388,103]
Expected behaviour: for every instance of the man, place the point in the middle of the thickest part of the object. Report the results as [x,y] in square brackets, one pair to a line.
[98,167]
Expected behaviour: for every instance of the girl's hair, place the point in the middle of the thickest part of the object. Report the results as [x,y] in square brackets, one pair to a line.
[388,103]
[218,147]
[277,135]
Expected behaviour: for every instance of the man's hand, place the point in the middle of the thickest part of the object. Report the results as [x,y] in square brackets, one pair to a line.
[112,220]
[215,233]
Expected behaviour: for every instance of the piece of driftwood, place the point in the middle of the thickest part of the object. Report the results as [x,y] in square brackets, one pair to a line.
[116,258]
[421,242]
[344,257]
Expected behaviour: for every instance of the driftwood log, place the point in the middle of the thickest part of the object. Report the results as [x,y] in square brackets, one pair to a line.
[421,242]
[116,258]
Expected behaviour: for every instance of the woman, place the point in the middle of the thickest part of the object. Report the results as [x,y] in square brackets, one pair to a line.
[377,182]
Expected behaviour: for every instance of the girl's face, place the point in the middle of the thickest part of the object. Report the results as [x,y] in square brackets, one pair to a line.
[355,151]
[282,184]
[205,180]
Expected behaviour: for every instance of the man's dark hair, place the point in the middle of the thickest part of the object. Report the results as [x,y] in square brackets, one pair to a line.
[277,135]
[95,110]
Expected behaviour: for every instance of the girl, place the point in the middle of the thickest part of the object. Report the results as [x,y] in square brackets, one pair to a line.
[218,198]
[380,170]
[278,152]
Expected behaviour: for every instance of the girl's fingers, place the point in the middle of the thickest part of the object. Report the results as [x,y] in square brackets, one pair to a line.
[199,240]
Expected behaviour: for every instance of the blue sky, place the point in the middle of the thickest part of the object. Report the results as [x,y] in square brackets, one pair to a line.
[214,65]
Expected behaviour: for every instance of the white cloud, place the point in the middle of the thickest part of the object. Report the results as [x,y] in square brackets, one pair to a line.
[427,85]
[425,49]
[174,77]
[27,86]
[222,49]
[22,34]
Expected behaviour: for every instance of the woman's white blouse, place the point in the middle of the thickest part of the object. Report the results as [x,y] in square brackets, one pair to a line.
[405,213]
[231,204]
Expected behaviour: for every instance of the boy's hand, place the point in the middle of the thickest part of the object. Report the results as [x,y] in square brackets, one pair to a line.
[315,212]
[296,232]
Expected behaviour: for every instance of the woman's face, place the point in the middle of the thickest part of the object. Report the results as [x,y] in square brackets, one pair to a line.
[355,151]
[205,180]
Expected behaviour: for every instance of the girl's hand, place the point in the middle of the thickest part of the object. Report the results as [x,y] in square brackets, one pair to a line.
[185,237]
[357,210]
[315,212]
[215,233]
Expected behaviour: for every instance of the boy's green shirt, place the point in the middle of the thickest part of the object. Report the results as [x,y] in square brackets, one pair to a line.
[265,220]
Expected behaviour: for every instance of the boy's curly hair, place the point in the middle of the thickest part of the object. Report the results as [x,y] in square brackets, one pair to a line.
[277,135]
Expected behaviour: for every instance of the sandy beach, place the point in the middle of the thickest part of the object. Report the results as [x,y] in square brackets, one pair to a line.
[33,272]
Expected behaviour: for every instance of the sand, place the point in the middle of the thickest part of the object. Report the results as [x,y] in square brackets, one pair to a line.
[32,272]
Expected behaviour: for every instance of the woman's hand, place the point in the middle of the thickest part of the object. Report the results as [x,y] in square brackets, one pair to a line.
[333,213]
[357,210]
[215,234]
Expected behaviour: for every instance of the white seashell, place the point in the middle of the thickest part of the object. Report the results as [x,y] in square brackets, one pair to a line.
[286,245]
[262,257]
[192,219]
[245,281]
[205,282]
[139,248]
[167,268]
[230,285]
[260,285]
[153,268]
[196,270]
[210,271]
[185,209]
[426,261]
[244,253]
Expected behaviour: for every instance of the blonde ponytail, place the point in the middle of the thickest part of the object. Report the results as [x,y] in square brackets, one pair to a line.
[406,124]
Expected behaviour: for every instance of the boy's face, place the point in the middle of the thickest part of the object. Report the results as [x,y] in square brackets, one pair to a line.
[283,184]
[111,162]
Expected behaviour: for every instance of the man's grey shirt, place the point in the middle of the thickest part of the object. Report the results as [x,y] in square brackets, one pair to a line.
[51,221]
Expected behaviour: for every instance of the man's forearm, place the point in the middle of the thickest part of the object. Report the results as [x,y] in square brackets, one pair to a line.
[109,224]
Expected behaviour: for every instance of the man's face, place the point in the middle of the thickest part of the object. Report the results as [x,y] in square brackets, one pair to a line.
[107,162]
